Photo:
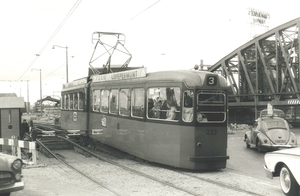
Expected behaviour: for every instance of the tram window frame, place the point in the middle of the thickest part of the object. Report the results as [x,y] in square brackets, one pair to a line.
[71,101]
[104,98]
[96,100]
[124,102]
[75,101]
[63,105]
[137,102]
[188,106]
[67,101]
[208,109]
[81,100]
[163,103]
[113,101]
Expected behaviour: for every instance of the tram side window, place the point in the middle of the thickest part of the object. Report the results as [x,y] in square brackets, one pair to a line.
[71,101]
[64,105]
[113,102]
[81,99]
[67,101]
[188,106]
[104,101]
[124,102]
[75,105]
[96,100]
[164,103]
[211,106]
[137,102]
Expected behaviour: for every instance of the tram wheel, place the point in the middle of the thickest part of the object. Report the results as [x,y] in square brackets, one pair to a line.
[247,145]
[82,142]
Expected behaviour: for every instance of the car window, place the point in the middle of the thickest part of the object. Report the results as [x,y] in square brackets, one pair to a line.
[276,124]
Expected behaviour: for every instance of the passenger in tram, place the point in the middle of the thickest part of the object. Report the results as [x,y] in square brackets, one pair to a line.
[171,112]
[156,104]
[201,117]
[157,107]
[188,112]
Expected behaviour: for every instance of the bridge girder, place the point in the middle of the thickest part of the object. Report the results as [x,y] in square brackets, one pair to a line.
[265,69]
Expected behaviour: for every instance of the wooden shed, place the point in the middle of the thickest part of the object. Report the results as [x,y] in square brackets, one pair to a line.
[10,116]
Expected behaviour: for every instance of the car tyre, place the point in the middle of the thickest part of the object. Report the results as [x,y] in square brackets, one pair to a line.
[289,185]
[259,148]
[247,142]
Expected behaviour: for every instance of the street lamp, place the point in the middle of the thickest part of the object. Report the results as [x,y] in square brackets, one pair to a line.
[53,47]
[40,88]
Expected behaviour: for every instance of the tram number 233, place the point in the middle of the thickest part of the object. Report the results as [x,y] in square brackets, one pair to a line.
[211,131]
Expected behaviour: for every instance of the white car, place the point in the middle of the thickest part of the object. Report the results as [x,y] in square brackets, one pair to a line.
[10,174]
[285,164]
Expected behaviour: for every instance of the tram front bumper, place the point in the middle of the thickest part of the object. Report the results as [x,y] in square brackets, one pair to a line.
[206,159]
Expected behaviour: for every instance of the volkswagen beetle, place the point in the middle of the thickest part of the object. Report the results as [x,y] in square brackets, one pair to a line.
[270,132]
[285,165]
[10,174]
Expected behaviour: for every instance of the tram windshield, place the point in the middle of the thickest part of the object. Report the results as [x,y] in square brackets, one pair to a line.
[211,106]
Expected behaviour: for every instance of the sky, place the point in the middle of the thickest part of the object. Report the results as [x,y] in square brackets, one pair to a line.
[160,35]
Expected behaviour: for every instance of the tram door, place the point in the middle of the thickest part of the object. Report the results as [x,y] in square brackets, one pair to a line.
[9,124]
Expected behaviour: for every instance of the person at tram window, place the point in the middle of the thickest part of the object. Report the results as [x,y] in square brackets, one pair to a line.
[201,117]
[156,108]
[188,112]
[171,111]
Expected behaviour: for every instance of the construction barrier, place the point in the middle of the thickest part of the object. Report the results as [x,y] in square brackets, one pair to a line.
[16,146]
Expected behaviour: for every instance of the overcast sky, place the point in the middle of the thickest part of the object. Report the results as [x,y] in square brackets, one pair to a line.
[160,35]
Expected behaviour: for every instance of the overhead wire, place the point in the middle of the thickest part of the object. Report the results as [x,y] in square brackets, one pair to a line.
[92,45]
[62,23]
[141,12]
[52,36]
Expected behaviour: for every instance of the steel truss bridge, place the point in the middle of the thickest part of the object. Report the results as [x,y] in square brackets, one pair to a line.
[264,70]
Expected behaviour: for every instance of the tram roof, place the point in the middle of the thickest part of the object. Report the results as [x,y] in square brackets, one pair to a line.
[191,78]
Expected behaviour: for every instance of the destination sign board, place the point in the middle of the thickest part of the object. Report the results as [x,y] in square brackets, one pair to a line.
[135,73]
[75,83]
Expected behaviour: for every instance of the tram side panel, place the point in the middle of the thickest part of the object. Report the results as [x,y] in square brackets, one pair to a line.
[165,143]
[122,133]
[73,120]
[210,144]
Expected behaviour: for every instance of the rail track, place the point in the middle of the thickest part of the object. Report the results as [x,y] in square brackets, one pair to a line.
[98,163]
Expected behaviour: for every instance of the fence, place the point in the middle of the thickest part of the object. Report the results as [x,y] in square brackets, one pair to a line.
[16,146]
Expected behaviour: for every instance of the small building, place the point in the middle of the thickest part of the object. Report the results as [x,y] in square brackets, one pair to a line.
[11,108]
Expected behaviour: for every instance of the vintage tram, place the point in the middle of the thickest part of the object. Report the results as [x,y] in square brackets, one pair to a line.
[175,118]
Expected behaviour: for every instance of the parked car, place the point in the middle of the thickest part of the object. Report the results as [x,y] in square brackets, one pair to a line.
[10,174]
[285,164]
[270,132]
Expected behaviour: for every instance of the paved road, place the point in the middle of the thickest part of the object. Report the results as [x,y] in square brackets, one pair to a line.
[248,161]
